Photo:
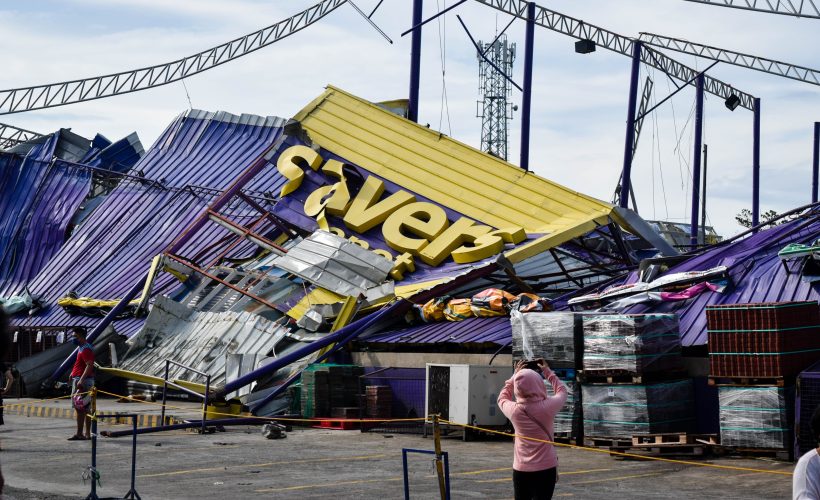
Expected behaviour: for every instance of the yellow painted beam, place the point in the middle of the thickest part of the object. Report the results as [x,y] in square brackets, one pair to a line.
[150,379]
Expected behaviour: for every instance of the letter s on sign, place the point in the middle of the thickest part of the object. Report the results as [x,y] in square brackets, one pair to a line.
[289,166]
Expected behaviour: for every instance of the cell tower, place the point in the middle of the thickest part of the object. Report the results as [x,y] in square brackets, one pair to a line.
[495,109]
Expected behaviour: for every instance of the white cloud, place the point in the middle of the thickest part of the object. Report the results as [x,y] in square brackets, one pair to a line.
[579,106]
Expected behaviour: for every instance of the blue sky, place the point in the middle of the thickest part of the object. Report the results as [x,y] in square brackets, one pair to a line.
[579,102]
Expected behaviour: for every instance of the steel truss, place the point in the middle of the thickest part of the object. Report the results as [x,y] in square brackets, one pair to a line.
[576,28]
[778,68]
[11,136]
[87,89]
[799,8]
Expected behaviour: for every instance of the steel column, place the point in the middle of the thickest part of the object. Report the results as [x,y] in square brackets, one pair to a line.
[693,230]
[816,163]
[526,98]
[756,165]
[415,64]
[626,182]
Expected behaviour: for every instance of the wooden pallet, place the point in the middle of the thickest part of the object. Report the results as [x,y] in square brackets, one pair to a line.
[566,438]
[607,442]
[775,453]
[663,450]
[670,438]
[627,377]
[749,381]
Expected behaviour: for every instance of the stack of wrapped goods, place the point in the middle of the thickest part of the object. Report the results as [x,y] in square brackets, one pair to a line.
[634,382]
[807,400]
[755,353]
[556,337]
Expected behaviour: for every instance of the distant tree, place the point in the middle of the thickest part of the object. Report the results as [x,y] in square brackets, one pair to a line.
[744,218]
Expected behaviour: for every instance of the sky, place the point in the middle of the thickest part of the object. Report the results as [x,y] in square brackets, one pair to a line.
[579,101]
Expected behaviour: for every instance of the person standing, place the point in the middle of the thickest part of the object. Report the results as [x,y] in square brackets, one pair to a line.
[82,380]
[806,479]
[532,413]
[5,370]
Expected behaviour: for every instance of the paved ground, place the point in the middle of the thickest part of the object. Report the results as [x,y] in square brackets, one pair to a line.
[38,462]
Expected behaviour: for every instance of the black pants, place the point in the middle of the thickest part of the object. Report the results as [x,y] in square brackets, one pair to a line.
[537,485]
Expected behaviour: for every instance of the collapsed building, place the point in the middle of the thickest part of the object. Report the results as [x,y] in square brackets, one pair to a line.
[251,248]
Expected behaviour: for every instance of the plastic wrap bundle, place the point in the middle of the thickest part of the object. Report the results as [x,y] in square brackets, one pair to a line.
[807,399]
[568,420]
[756,417]
[554,336]
[635,343]
[627,410]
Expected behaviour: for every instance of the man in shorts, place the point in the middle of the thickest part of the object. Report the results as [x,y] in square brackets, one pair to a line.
[82,380]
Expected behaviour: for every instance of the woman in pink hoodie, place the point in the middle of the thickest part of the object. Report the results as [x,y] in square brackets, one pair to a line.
[535,463]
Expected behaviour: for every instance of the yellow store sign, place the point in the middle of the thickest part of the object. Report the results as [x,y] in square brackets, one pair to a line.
[415,229]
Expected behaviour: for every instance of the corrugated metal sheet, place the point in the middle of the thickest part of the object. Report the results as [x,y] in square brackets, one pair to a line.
[39,197]
[201,340]
[756,272]
[471,330]
[113,248]
[452,174]
[335,264]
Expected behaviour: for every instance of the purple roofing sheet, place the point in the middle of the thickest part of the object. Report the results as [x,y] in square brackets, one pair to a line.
[39,197]
[471,330]
[115,245]
[756,272]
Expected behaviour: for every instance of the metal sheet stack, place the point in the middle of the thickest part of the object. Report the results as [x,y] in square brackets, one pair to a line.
[633,377]
[778,339]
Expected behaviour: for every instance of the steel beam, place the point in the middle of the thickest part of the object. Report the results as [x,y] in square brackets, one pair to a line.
[630,125]
[815,168]
[526,98]
[693,230]
[415,63]
[756,165]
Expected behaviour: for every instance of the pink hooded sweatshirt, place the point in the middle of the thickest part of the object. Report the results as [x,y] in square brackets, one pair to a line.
[531,395]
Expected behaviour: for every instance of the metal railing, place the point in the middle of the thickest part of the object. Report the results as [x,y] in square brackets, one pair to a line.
[166,383]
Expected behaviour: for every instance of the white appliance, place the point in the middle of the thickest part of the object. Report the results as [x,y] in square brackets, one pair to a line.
[465,394]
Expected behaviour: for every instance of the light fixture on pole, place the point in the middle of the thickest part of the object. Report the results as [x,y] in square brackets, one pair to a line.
[732,102]
[584,46]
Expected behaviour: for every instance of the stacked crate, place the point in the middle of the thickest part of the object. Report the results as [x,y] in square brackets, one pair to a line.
[763,340]
[557,337]
[806,401]
[315,394]
[379,401]
[633,377]
[755,352]
[330,390]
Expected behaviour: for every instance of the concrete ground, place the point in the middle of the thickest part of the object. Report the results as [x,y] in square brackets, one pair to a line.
[38,462]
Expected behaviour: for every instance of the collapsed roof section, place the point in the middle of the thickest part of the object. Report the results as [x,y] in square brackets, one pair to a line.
[196,158]
[753,270]
[42,190]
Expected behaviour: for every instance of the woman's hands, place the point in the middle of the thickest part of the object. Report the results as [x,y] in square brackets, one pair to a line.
[523,363]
